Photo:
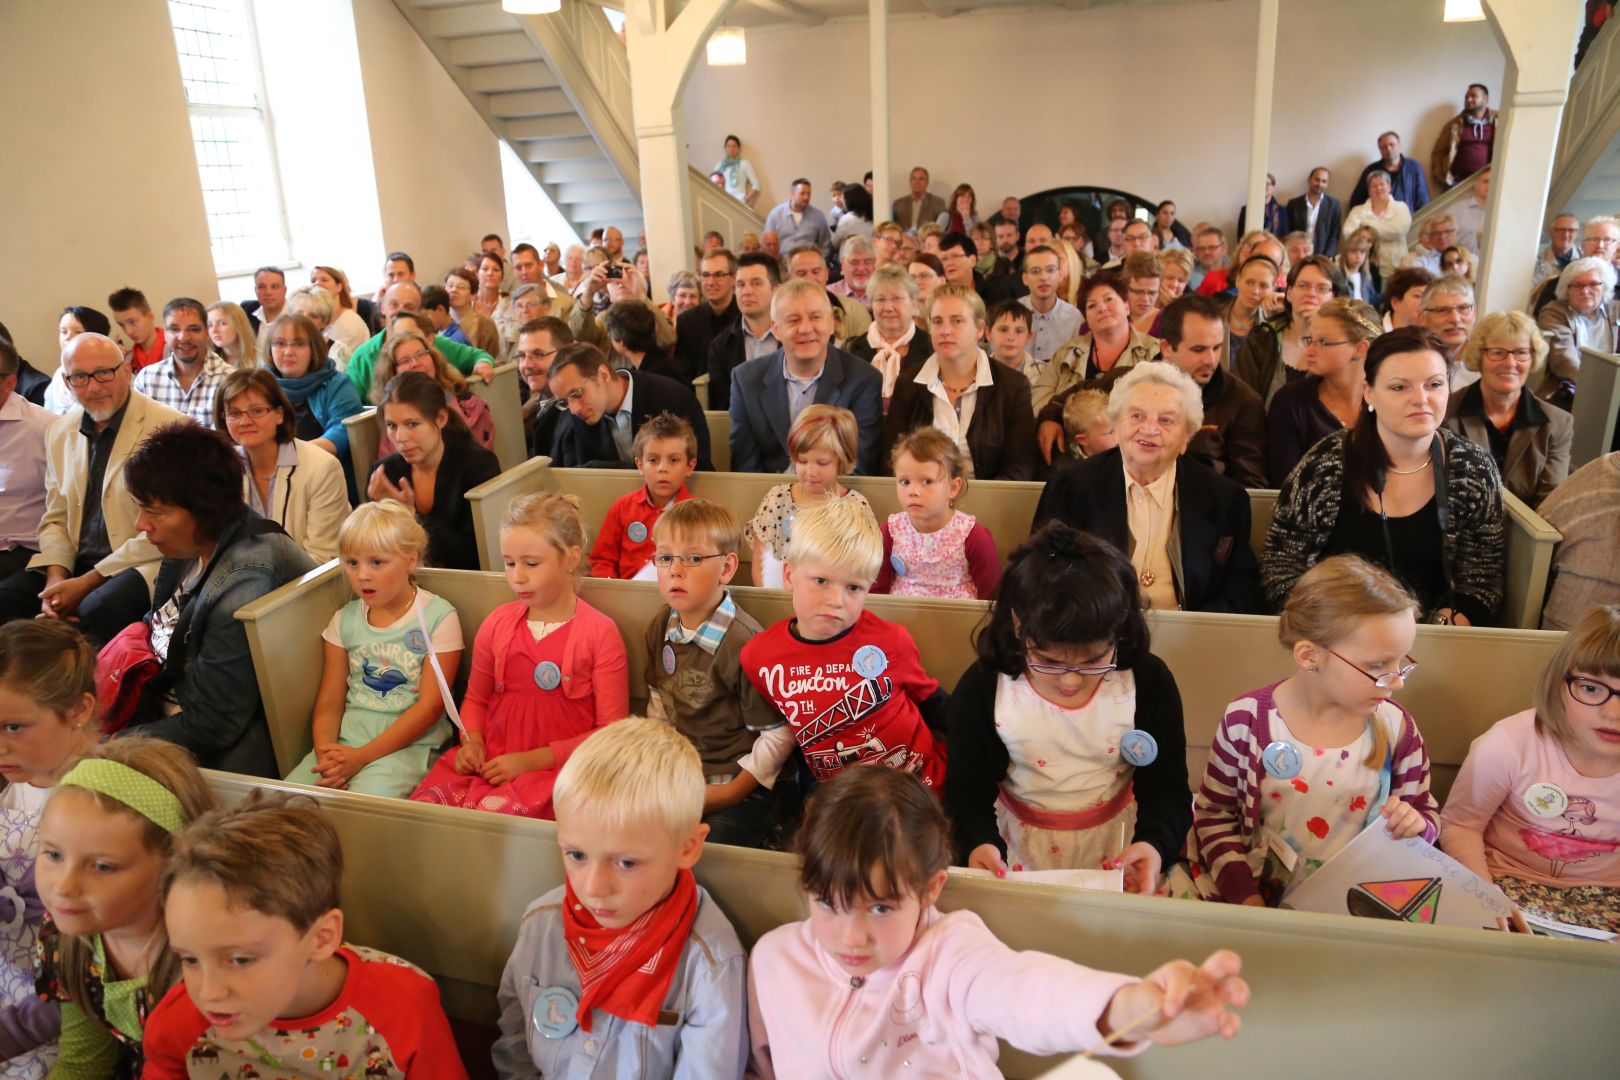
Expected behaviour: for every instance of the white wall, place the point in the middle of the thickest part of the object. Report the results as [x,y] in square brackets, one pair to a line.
[1153,99]
[100,183]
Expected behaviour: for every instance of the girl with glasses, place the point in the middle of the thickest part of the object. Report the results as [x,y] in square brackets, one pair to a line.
[1298,768]
[1066,743]
[1536,806]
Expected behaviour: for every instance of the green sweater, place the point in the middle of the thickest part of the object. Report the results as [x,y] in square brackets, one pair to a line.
[462,357]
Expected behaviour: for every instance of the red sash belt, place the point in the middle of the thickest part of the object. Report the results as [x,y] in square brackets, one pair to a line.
[1068,820]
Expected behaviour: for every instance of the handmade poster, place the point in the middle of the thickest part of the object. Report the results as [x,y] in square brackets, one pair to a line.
[1102,880]
[1081,1068]
[1377,877]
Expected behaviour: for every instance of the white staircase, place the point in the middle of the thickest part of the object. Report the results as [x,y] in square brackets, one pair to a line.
[1586,167]
[556,88]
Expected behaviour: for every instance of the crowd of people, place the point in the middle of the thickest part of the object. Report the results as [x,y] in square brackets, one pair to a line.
[1147,376]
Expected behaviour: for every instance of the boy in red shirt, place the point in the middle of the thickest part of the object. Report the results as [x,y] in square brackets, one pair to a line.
[849,684]
[666,451]
[261,881]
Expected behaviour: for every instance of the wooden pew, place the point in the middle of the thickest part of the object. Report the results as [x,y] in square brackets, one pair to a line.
[505,403]
[1596,407]
[719,439]
[1470,677]
[446,889]
[1531,541]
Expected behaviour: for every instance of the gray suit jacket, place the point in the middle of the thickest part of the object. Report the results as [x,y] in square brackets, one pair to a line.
[759,410]
[932,206]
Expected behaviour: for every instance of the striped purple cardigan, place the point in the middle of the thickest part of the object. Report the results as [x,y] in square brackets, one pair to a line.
[1226,810]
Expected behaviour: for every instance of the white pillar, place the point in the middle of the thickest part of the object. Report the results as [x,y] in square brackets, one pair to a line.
[878,42]
[1265,74]
[1539,63]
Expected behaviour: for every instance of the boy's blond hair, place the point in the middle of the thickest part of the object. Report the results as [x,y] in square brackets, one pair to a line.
[703,520]
[839,534]
[634,772]
[384,526]
[1083,409]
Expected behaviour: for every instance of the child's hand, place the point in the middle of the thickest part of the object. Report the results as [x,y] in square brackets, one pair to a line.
[338,765]
[1141,863]
[1403,820]
[1193,1002]
[505,769]
[470,758]
[987,857]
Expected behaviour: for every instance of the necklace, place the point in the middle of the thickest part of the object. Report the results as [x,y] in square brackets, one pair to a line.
[1146,576]
[1412,472]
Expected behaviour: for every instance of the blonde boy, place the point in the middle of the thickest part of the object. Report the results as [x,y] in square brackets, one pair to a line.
[629,967]
[850,685]
[261,881]
[666,451]
[694,672]
[1086,424]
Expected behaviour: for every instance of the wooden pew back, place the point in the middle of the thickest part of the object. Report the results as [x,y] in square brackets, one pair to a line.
[719,439]
[1596,407]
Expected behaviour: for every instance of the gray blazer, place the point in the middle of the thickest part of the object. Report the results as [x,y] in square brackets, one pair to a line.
[759,410]
[932,206]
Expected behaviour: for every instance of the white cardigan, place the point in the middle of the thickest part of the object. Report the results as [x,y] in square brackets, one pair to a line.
[308,498]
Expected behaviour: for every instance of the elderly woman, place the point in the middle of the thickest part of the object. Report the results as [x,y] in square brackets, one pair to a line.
[1388,218]
[529,302]
[894,339]
[1582,316]
[1398,490]
[409,349]
[1109,342]
[1274,351]
[319,306]
[232,334]
[1354,261]
[1529,438]
[352,322]
[1329,398]
[1184,526]
[982,406]
[218,555]
[685,291]
[291,482]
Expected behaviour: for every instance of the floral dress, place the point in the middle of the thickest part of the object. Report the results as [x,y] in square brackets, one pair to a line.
[88,1050]
[20,910]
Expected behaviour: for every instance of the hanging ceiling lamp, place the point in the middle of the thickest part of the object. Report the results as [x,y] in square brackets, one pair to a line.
[1464,11]
[727,47]
[531,7]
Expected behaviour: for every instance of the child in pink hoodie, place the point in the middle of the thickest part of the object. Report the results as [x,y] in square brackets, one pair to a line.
[879,983]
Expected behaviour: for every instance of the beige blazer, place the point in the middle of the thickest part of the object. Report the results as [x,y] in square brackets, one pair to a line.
[67,467]
[310,500]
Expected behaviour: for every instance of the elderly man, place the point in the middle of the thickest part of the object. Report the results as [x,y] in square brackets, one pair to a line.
[1600,237]
[1464,144]
[1562,233]
[529,269]
[573,269]
[919,207]
[807,262]
[1406,181]
[768,393]
[186,381]
[1438,234]
[859,259]
[1184,527]
[405,296]
[22,466]
[1581,316]
[797,223]
[93,564]
[1317,213]
[1448,313]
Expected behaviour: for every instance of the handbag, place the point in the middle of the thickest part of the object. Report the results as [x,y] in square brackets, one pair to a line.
[124,667]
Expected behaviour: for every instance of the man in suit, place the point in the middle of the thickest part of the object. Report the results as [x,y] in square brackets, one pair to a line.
[753,334]
[93,564]
[1317,213]
[920,207]
[768,393]
[1184,526]
[606,408]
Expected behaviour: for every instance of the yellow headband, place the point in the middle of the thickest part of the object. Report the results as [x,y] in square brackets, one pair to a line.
[131,787]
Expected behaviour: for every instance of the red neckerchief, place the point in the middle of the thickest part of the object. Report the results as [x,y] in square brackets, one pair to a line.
[627,972]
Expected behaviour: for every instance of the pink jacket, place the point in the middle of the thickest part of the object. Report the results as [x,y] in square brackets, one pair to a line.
[935,1013]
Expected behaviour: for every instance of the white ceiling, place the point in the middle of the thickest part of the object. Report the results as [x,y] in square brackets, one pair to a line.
[814,12]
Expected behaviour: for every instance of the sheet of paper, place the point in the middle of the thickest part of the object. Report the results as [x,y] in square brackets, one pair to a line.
[1102,880]
[1375,876]
[1567,929]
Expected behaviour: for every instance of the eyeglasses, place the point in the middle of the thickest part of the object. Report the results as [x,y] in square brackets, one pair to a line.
[82,378]
[1306,341]
[1389,678]
[1447,312]
[1590,691]
[691,562]
[283,346]
[1586,286]
[715,275]
[1497,355]
[1313,290]
[256,412]
[423,357]
[536,354]
[1083,670]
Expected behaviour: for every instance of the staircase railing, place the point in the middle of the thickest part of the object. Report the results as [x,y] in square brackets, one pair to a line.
[1446,202]
[1591,116]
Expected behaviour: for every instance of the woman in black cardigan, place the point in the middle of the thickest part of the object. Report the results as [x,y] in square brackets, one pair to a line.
[960,380]
[434,467]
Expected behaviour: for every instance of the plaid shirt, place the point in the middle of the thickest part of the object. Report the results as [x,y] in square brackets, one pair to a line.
[160,383]
[708,636]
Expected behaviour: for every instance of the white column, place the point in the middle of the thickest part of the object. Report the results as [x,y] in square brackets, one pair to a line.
[1265,73]
[1539,58]
[878,42]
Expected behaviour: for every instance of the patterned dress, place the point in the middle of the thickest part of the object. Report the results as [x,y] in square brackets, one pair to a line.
[772,526]
[88,1050]
[20,911]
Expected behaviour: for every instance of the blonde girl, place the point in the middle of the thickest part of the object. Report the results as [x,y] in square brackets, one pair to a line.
[821,444]
[1301,766]
[379,714]
[103,953]
[547,670]
[232,335]
[930,548]
[47,722]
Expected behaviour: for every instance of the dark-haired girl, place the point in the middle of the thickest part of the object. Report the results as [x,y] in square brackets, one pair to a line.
[1066,740]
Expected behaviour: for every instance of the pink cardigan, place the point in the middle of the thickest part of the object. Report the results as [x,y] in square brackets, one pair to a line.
[936,1012]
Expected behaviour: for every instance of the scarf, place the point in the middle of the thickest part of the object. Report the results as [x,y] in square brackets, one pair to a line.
[627,972]
[886,355]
